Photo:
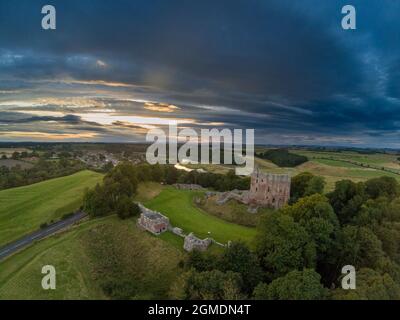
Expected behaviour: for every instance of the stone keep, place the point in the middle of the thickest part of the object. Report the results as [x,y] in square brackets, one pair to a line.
[268,190]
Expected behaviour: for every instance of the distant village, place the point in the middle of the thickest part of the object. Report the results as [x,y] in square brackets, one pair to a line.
[93,159]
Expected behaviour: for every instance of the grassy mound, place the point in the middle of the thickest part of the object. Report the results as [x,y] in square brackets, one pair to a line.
[232,211]
[99,259]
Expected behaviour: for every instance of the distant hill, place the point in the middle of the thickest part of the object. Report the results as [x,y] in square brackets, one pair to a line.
[283,158]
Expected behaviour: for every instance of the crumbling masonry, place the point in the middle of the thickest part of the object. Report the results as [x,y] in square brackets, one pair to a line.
[268,190]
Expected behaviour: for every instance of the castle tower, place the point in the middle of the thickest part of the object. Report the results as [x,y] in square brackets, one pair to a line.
[269,190]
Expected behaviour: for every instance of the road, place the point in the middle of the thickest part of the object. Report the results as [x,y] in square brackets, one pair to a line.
[40,234]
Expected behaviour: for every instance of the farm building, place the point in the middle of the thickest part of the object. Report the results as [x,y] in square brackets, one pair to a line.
[152,221]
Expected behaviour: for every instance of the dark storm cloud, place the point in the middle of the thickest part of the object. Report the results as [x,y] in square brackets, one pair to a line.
[257,47]
[277,66]
[65,119]
[69,121]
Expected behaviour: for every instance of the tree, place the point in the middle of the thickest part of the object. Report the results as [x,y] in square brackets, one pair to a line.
[382,186]
[15,155]
[347,199]
[126,208]
[209,285]
[24,154]
[389,234]
[315,185]
[316,216]
[359,247]
[371,285]
[108,167]
[305,184]
[296,285]
[171,175]
[238,258]
[95,202]
[283,158]
[63,162]
[201,261]
[375,211]
[283,245]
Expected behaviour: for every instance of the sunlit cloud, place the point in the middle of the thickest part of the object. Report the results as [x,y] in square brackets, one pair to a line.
[73,102]
[43,113]
[96,82]
[101,64]
[160,107]
[108,119]
[48,136]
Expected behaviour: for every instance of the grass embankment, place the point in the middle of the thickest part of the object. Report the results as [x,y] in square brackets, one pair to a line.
[91,258]
[232,211]
[24,209]
[147,191]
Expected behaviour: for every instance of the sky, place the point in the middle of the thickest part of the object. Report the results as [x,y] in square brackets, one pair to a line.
[112,70]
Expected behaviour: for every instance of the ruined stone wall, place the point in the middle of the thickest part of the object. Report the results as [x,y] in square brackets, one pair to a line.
[193,243]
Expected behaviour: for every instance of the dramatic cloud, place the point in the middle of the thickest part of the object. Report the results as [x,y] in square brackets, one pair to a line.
[285,68]
[161,107]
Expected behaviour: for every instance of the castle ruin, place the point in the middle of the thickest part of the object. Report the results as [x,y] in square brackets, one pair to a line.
[193,243]
[268,190]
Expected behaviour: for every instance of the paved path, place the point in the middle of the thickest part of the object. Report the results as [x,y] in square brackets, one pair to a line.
[40,234]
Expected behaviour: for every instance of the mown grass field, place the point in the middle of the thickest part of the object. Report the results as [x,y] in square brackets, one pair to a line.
[335,166]
[24,209]
[179,207]
[89,257]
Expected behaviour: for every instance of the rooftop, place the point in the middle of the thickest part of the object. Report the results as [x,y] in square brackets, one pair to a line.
[153,215]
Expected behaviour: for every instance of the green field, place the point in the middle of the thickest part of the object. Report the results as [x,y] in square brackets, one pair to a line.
[24,209]
[88,257]
[179,207]
[335,166]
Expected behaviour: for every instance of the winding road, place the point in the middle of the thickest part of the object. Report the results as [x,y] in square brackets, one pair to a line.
[13,247]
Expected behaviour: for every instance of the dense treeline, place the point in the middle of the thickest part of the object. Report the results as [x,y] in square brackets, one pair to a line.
[301,249]
[42,170]
[305,184]
[230,275]
[119,186]
[282,157]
